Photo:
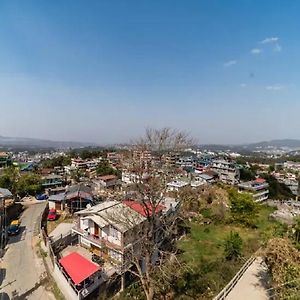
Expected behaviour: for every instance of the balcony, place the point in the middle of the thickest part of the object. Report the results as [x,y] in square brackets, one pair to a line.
[95,240]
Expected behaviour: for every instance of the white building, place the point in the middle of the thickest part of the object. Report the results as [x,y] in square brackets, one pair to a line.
[228,172]
[176,185]
[259,189]
[113,229]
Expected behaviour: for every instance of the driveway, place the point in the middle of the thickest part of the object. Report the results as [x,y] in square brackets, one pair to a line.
[22,271]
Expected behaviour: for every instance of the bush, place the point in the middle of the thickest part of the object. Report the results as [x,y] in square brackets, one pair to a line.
[233,246]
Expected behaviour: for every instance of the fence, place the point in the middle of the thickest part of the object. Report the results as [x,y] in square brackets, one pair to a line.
[62,241]
[228,288]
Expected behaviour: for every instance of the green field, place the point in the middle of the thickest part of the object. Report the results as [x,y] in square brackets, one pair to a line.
[203,249]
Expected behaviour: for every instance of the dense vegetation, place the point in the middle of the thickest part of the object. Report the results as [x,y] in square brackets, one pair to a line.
[225,228]
[104,168]
[277,190]
[20,184]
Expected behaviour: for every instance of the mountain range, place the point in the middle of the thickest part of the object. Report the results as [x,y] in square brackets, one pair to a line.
[33,143]
[278,144]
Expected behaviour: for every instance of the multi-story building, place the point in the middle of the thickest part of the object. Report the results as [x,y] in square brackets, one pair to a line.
[176,185]
[52,181]
[259,189]
[186,162]
[295,166]
[228,172]
[142,155]
[115,230]
[170,159]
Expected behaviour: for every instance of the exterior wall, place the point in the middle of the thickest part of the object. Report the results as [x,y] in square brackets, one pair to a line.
[105,232]
[228,172]
[63,284]
[51,204]
[114,236]
[116,255]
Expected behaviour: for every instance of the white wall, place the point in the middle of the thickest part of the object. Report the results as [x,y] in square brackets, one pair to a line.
[63,284]
[51,204]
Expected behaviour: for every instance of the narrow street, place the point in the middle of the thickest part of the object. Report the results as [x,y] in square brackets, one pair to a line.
[21,268]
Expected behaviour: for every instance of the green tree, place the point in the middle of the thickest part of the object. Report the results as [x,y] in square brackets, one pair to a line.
[59,161]
[277,190]
[6,182]
[9,178]
[28,184]
[233,246]
[243,208]
[247,174]
[104,168]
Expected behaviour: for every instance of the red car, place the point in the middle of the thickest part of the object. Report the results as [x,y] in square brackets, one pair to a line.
[52,215]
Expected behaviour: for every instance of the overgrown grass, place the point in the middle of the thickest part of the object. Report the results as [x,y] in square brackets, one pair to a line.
[204,247]
[40,252]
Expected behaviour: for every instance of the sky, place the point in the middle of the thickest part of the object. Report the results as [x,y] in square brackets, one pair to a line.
[102,71]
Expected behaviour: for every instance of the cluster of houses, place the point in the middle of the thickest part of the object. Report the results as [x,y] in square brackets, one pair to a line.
[109,224]
[111,230]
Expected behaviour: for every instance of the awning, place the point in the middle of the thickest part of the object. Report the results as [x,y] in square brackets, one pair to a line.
[78,267]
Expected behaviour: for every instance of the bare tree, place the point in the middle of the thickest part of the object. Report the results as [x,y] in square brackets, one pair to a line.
[148,163]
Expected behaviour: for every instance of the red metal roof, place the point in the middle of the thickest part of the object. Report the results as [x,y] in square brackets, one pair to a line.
[143,209]
[260,180]
[78,267]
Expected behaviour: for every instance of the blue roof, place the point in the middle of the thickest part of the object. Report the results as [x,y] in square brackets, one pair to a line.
[58,197]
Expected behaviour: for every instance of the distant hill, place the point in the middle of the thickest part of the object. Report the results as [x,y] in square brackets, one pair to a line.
[284,144]
[31,143]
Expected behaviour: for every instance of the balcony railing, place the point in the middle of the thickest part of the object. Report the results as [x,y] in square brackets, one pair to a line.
[98,241]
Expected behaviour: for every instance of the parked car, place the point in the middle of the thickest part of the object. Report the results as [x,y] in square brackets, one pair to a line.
[52,215]
[41,197]
[14,227]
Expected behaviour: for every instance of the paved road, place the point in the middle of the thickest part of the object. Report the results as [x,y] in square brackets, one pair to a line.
[252,285]
[21,269]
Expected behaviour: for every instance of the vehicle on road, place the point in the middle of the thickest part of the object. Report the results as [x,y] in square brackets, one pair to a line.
[14,227]
[52,215]
[41,197]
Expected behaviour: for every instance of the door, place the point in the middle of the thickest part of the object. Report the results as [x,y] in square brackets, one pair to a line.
[96,228]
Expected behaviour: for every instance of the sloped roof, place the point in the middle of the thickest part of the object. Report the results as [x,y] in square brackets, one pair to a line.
[143,209]
[78,267]
[5,193]
[115,213]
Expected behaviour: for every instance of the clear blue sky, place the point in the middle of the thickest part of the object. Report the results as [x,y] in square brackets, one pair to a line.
[102,71]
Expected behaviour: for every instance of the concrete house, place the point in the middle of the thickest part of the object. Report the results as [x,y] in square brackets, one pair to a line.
[113,229]
[259,188]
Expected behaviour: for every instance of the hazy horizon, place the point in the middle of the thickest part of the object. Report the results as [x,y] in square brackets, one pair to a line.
[102,72]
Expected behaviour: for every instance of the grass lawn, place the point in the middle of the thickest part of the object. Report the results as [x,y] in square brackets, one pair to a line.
[204,247]
[206,241]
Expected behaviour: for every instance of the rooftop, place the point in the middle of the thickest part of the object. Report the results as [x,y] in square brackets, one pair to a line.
[78,267]
[143,209]
[5,193]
